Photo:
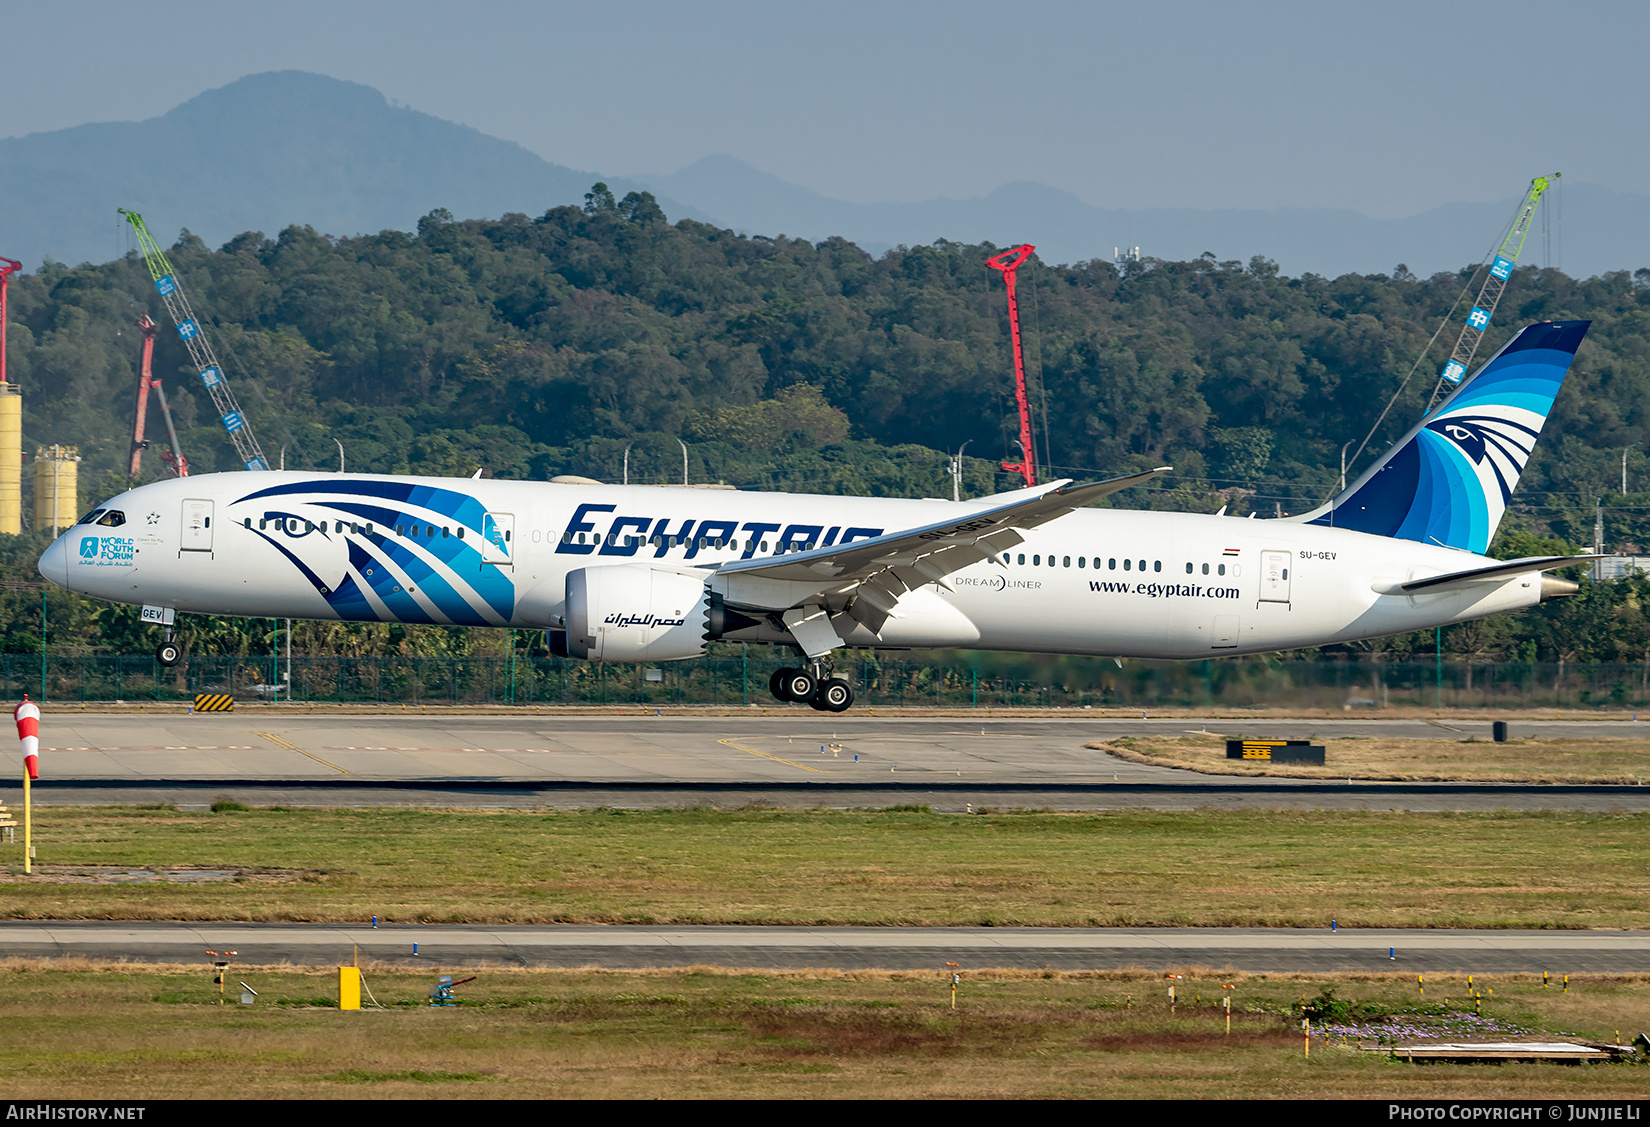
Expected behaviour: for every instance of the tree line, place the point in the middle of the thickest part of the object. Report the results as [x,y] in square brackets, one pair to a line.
[533,346]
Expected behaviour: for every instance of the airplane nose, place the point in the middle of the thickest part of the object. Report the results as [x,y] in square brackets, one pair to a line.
[54,562]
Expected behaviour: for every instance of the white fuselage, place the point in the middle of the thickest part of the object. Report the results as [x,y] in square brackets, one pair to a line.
[1107,582]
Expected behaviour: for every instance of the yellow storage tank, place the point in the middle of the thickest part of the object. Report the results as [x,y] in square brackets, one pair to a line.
[11,459]
[56,487]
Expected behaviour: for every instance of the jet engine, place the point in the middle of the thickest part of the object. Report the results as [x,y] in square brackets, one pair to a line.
[630,612]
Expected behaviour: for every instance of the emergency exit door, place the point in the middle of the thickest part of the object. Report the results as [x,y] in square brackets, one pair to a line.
[1274,577]
[197,526]
[498,539]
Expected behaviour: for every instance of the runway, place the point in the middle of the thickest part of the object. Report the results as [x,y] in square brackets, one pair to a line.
[784,758]
[1255,950]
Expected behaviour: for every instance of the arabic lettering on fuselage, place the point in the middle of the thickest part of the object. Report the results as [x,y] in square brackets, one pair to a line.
[640,620]
[627,536]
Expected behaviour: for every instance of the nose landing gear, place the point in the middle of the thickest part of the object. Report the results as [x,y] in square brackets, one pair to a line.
[168,653]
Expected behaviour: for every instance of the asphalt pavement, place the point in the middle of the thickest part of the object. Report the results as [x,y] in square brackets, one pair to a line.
[785,758]
[1256,950]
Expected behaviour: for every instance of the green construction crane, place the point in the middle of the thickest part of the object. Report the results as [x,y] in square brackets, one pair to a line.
[1466,346]
[200,348]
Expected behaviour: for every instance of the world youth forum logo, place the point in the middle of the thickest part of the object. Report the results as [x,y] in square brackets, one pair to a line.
[88,548]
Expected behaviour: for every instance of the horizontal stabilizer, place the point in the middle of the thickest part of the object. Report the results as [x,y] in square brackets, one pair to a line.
[1456,580]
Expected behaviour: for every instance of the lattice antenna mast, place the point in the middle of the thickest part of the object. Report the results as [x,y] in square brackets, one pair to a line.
[1466,346]
[195,340]
[1006,264]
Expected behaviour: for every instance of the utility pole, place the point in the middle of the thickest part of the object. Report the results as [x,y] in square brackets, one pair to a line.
[955,468]
[683,445]
[1598,538]
[627,463]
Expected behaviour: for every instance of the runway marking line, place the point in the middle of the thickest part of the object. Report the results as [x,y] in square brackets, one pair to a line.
[275,739]
[1446,727]
[775,758]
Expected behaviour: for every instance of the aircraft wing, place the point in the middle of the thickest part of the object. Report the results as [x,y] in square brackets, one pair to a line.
[866,578]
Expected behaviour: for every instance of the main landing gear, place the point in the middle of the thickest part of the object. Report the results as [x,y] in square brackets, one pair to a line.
[824,693]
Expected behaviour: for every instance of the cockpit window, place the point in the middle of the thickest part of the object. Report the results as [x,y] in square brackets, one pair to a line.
[91,516]
[113,518]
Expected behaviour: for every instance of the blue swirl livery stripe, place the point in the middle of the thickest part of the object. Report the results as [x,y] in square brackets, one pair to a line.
[486,582]
[1448,481]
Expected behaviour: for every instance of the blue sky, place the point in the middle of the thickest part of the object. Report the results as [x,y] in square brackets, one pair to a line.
[1387,109]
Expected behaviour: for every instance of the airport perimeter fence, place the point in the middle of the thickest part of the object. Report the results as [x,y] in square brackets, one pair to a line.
[738,678]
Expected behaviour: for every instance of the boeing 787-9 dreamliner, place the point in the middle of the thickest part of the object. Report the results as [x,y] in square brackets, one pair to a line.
[647,574]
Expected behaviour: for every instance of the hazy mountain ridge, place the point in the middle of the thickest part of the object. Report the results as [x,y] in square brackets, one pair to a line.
[289,147]
[1603,230]
[261,153]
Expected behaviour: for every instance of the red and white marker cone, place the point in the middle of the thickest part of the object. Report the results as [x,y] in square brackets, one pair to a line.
[28,730]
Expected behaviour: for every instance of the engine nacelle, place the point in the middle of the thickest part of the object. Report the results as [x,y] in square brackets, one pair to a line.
[631,612]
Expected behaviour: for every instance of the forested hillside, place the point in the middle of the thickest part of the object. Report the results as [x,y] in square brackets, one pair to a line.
[536,346]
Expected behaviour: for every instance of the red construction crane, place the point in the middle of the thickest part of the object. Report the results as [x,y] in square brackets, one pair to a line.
[174,459]
[1007,263]
[11,267]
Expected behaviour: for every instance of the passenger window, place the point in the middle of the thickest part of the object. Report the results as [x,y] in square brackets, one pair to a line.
[1037,560]
[262,524]
[1157,565]
[1082,560]
[1096,563]
[429,530]
[399,530]
[1205,569]
[1223,569]
[1188,567]
[1112,564]
[446,532]
[1022,557]
[1142,565]
[764,545]
[1128,565]
[1286,573]
[369,530]
[1066,561]
[461,534]
[249,522]
[114,518]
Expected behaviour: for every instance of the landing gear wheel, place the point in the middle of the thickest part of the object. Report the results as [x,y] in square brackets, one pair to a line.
[834,695]
[776,683]
[798,685]
[168,654]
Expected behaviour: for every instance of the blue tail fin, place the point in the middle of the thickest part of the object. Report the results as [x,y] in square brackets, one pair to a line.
[1449,479]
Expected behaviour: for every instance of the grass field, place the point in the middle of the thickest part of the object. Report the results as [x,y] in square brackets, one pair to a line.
[1624,761]
[900,866]
[80,1030]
